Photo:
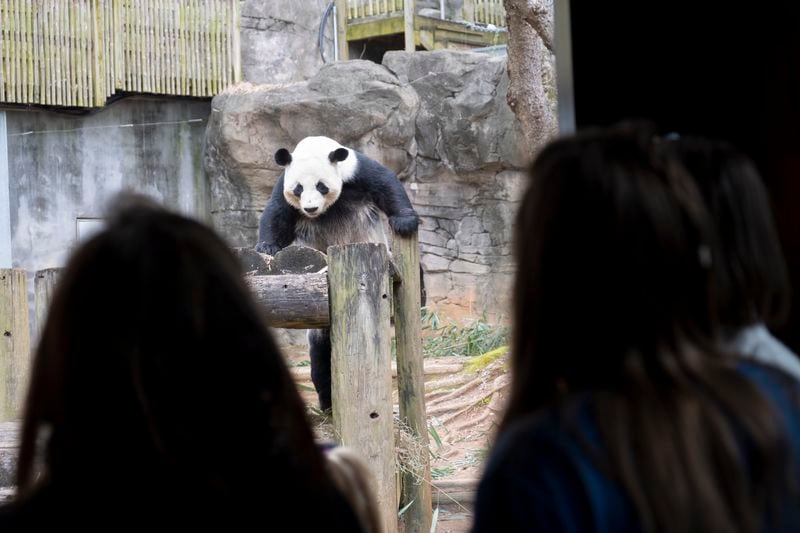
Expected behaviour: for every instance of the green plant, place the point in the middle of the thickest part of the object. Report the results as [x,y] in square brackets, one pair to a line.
[474,338]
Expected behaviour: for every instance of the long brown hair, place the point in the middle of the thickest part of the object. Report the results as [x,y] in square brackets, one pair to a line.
[751,272]
[612,301]
[156,374]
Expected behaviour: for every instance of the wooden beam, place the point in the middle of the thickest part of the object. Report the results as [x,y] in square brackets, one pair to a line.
[409,12]
[411,380]
[294,301]
[361,364]
[375,28]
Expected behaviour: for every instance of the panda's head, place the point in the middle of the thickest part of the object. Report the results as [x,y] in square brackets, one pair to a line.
[314,174]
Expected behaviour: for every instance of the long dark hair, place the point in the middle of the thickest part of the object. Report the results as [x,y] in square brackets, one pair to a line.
[612,301]
[751,272]
[156,375]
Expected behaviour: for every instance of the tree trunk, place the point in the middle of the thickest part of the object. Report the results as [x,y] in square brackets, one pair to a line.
[531,89]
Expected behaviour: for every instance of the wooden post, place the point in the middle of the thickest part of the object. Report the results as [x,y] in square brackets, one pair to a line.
[341,30]
[409,11]
[361,363]
[15,343]
[410,378]
[44,285]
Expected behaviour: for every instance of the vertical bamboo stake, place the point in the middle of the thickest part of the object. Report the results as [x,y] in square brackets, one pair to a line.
[17,97]
[3,51]
[49,53]
[237,53]
[408,25]
[98,55]
[227,74]
[68,56]
[15,344]
[36,72]
[411,379]
[341,30]
[358,277]
[184,52]
[28,57]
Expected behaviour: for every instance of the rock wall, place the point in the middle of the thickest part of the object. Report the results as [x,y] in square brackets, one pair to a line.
[438,119]
[280,39]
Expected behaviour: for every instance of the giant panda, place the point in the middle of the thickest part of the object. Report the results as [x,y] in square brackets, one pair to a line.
[331,195]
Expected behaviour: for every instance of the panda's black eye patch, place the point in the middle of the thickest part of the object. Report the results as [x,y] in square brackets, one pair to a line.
[322,188]
[298,190]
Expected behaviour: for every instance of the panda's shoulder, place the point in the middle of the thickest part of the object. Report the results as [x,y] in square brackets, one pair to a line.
[368,170]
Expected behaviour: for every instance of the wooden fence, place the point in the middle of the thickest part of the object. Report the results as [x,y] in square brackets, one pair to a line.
[358,9]
[80,52]
[362,286]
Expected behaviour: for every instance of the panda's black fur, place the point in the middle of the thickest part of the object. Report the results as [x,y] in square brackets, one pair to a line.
[353,217]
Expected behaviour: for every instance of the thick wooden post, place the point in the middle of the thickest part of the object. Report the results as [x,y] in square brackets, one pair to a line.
[15,345]
[410,378]
[410,9]
[44,285]
[341,30]
[361,363]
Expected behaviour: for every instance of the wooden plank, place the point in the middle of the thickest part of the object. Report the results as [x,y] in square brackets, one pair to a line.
[35,33]
[408,14]
[357,31]
[44,286]
[411,380]
[361,363]
[15,346]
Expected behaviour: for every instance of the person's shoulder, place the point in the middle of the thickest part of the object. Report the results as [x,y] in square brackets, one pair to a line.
[542,472]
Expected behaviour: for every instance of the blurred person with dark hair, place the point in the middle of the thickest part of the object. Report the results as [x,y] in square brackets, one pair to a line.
[625,415]
[159,398]
[749,269]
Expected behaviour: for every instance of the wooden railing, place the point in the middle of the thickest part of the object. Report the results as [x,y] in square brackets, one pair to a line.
[358,9]
[80,52]
[490,12]
[480,11]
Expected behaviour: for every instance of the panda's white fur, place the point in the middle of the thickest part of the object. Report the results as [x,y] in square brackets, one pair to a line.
[310,165]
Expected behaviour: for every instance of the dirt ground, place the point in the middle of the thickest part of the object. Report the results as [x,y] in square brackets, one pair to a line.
[464,398]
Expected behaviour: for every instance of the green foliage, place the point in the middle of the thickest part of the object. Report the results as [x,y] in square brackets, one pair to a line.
[475,338]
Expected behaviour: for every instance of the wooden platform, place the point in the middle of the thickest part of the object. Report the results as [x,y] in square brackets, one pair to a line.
[429,33]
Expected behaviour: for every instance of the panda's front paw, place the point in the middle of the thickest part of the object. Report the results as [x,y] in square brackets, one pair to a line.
[265,248]
[404,224]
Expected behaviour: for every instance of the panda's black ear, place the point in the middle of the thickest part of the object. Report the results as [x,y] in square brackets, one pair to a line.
[283,157]
[340,154]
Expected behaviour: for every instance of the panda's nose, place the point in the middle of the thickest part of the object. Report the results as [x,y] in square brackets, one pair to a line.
[310,209]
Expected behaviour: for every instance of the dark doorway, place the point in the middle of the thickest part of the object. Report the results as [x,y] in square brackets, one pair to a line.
[711,68]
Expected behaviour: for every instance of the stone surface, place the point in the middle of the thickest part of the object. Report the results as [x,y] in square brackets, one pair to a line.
[280,40]
[438,119]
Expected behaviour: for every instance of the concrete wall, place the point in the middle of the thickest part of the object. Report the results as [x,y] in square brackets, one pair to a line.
[64,167]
